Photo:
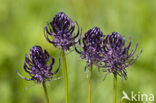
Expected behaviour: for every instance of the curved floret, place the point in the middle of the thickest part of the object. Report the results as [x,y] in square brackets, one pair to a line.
[39,65]
[116,55]
[61,29]
[92,46]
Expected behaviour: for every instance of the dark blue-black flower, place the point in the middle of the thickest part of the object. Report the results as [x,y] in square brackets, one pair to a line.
[39,65]
[117,56]
[92,46]
[61,29]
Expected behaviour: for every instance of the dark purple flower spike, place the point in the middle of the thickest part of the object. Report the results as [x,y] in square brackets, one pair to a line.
[62,30]
[92,46]
[116,54]
[38,65]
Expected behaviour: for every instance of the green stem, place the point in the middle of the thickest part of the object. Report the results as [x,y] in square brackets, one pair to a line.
[90,83]
[115,88]
[45,92]
[65,76]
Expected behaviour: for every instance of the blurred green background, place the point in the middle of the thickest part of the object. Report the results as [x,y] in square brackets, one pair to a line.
[21,27]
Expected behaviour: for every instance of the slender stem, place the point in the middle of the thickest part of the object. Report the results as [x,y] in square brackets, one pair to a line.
[115,88]
[45,92]
[90,84]
[65,76]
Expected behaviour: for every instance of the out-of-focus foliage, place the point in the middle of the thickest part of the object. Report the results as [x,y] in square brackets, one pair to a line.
[21,27]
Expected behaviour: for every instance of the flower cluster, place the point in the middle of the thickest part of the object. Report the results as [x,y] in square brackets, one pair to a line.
[92,46]
[62,30]
[116,54]
[107,52]
[38,65]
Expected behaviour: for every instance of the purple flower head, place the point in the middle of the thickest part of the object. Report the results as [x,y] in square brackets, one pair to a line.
[92,46]
[62,29]
[38,65]
[117,56]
